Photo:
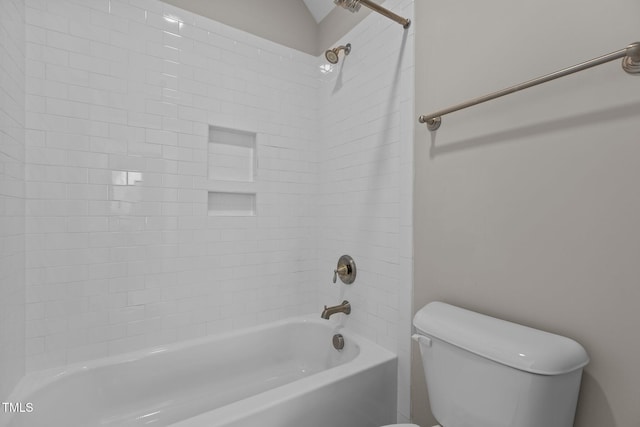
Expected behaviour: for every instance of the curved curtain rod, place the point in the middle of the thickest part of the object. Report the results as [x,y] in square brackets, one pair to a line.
[354,6]
[630,64]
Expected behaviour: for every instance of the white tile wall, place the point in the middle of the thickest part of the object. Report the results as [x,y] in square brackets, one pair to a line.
[121,252]
[12,226]
[366,183]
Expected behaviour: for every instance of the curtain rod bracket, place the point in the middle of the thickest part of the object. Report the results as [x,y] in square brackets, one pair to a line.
[631,62]
[432,123]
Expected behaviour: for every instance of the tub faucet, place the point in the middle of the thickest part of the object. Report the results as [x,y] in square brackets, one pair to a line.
[345,308]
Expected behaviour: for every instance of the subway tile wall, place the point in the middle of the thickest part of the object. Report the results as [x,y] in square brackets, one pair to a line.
[12,205]
[121,251]
[366,182]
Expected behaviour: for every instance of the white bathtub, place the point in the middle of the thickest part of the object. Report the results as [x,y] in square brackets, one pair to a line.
[284,374]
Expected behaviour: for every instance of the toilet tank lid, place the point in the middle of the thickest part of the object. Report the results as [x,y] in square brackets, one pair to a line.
[508,343]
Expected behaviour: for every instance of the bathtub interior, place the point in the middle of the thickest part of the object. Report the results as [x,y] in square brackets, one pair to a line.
[166,385]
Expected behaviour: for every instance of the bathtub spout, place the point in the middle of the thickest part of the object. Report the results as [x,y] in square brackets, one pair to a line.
[345,308]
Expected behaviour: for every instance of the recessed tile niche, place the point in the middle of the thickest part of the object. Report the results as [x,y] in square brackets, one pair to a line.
[231,155]
[232,204]
[231,164]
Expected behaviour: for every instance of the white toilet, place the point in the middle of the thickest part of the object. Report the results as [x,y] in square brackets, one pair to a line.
[486,372]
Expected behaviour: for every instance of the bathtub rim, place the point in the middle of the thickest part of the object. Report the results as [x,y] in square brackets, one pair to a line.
[370,354]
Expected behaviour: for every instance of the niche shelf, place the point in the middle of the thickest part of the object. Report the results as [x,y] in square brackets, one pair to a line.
[232,155]
[231,170]
[231,204]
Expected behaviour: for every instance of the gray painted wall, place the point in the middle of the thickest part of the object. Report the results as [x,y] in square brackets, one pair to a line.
[527,208]
[338,23]
[287,22]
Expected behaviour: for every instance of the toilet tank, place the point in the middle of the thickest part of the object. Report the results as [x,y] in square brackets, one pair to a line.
[486,372]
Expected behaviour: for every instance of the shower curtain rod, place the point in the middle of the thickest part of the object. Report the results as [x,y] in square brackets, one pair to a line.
[354,6]
[386,12]
[630,64]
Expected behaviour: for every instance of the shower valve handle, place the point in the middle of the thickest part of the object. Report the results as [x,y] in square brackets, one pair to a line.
[345,270]
[342,270]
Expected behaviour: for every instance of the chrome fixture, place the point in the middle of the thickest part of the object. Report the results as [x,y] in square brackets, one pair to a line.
[345,308]
[338,341]
[630,63]
[332,54]
[346,270]
[354,6]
